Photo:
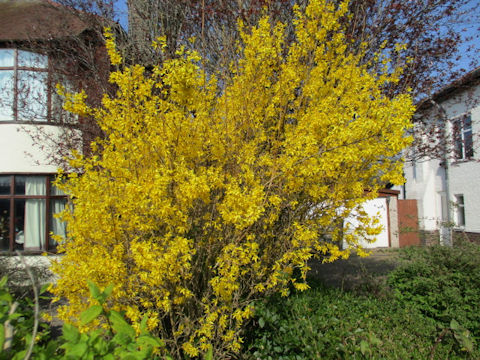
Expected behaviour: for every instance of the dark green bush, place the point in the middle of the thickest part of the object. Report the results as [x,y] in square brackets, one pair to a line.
[431,311]
[442,283]
[326,323]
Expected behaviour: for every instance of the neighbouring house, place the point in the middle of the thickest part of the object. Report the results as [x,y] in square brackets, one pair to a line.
[443,170]
[34,35]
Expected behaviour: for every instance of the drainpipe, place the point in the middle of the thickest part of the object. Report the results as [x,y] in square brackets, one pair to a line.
[447,239]
[446,229]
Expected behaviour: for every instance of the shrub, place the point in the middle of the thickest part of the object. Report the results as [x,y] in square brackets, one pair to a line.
[115,339]
[327,323]
[442,282]
[17,322]
[207,192]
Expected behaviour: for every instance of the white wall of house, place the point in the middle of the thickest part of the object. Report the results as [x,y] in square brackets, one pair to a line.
[426,183]
[426,180]
[464,176]
[374,208]
[18,152]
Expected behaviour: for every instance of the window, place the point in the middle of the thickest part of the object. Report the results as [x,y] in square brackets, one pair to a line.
[460,210]
[462,137]
[24,90]
[27,208]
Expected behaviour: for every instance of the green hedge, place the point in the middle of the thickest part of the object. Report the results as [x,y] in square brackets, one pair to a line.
[431,311]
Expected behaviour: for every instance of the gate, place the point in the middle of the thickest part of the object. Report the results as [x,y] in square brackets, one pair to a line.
[408,223]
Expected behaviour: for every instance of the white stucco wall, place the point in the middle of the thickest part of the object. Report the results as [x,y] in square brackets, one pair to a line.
[374,207]
[18,153]
[426,180]
[426,183]
[392,203]
[464,176]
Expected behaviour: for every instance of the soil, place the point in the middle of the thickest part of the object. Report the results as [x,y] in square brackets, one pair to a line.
[354,271]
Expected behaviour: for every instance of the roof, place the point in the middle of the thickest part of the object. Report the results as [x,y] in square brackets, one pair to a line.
[22,20]
[445,92]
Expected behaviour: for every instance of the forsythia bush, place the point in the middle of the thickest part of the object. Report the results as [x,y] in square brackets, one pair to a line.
[209,191]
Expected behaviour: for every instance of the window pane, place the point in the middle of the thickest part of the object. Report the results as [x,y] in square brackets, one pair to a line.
[30,185]
[468,143]
[467,123]
[4,224]
[19,239]
[460,210]
[20,185]
[32,96]
[35,222]
[58,113]
[53,189]
[6,95]
[57,226]
[7,57]
[30,59]
[458,144]
[5,185]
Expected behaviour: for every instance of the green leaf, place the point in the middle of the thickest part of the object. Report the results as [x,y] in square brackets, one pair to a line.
[463,337]
[77,350]
[94,290]
[44,288]
[143,325]
[108,291]
[2,336]
[374,340]
[209,354]
[149,340]
[70,333]
[3,281]
[364,347]
[454,325]
[90,314]
[131,357]
[6,297]
[261,322]
[467,343]
[19,355]
[122,339]
[120,325]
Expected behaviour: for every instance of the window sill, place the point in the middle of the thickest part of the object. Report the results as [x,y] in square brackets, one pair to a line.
[28,253]
[462,161]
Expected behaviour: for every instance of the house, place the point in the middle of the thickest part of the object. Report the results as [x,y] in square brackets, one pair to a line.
[34,35]
[443,169]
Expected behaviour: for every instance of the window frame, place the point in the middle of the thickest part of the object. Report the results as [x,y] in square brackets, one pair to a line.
[461,136]
[48,197]
[16,68]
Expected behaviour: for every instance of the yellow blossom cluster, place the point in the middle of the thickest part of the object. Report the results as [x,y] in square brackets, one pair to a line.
[208,192]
